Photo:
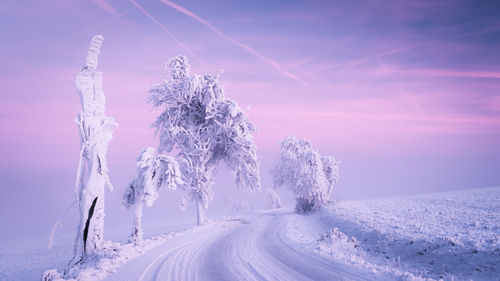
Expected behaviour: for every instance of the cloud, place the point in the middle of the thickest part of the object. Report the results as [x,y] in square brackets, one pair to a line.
[366,59]
[367,115]
[456,73]
[105,6]
[493,104]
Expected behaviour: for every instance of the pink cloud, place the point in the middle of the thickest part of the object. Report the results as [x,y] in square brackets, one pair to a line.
[105,6]
[316,56]
[365,59]
[456,73]
[492,104]
[365,122]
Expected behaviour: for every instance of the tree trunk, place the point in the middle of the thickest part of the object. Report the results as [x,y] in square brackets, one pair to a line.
[200,211]
[136,235]
[90,234]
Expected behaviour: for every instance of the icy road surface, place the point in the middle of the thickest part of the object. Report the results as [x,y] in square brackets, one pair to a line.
[254,248]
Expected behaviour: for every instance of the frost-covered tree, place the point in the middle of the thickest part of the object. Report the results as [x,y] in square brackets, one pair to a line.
[205,127]
[311,177]
[272,199]
[153,173]
[96,131]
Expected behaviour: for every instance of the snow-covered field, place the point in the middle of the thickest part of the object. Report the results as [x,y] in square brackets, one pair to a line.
[450,236]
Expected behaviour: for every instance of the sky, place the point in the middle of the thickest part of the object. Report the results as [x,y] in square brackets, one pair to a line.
[405,93]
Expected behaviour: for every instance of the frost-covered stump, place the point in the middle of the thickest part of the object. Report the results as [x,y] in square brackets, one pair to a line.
[205,127]
[310,176]
[153,172]
[96,131]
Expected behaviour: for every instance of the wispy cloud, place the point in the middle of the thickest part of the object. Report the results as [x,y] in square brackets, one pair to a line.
[106,7]
[245,47]
[492,104]
[162,27]
[316,56]
[377,117]
[456,73]
[366,59]
[301,62]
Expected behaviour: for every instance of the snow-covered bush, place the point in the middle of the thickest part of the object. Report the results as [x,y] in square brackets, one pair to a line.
[272,199]
[153,172]
[311,177]
[205,127]
[335,234]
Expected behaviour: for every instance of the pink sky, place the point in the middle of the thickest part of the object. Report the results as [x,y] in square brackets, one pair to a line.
[407,95]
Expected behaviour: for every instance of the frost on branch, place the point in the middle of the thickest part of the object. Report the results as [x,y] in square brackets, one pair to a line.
[153,173]
[310,176]
[92,180]
[205,127]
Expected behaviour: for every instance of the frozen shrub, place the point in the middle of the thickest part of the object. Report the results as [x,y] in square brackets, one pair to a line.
[310,176]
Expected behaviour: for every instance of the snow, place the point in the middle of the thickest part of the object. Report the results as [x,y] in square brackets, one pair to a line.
[253,247]
[27,258]
[113,255]
[450,235]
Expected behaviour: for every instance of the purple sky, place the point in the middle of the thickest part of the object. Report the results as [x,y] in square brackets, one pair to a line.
[405,93]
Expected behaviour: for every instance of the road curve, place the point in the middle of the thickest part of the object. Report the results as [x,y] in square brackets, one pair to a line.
[256,248]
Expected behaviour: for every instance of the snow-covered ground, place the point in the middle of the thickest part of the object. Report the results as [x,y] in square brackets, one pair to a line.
[27,257]
[448,235]
[451,235]
[252,248]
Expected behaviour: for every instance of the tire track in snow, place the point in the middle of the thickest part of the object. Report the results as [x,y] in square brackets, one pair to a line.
[241,250]
[155,270]
[302,261]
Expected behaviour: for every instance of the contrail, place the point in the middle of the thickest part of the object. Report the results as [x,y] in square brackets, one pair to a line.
[311,58]
[168,32]
[302,62]
[363,60]
[234,41]
[106,7]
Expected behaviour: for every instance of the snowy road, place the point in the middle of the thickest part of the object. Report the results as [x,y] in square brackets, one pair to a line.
[253,249]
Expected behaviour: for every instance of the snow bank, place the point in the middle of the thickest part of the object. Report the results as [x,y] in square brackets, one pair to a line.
[449,235]
[114,255]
